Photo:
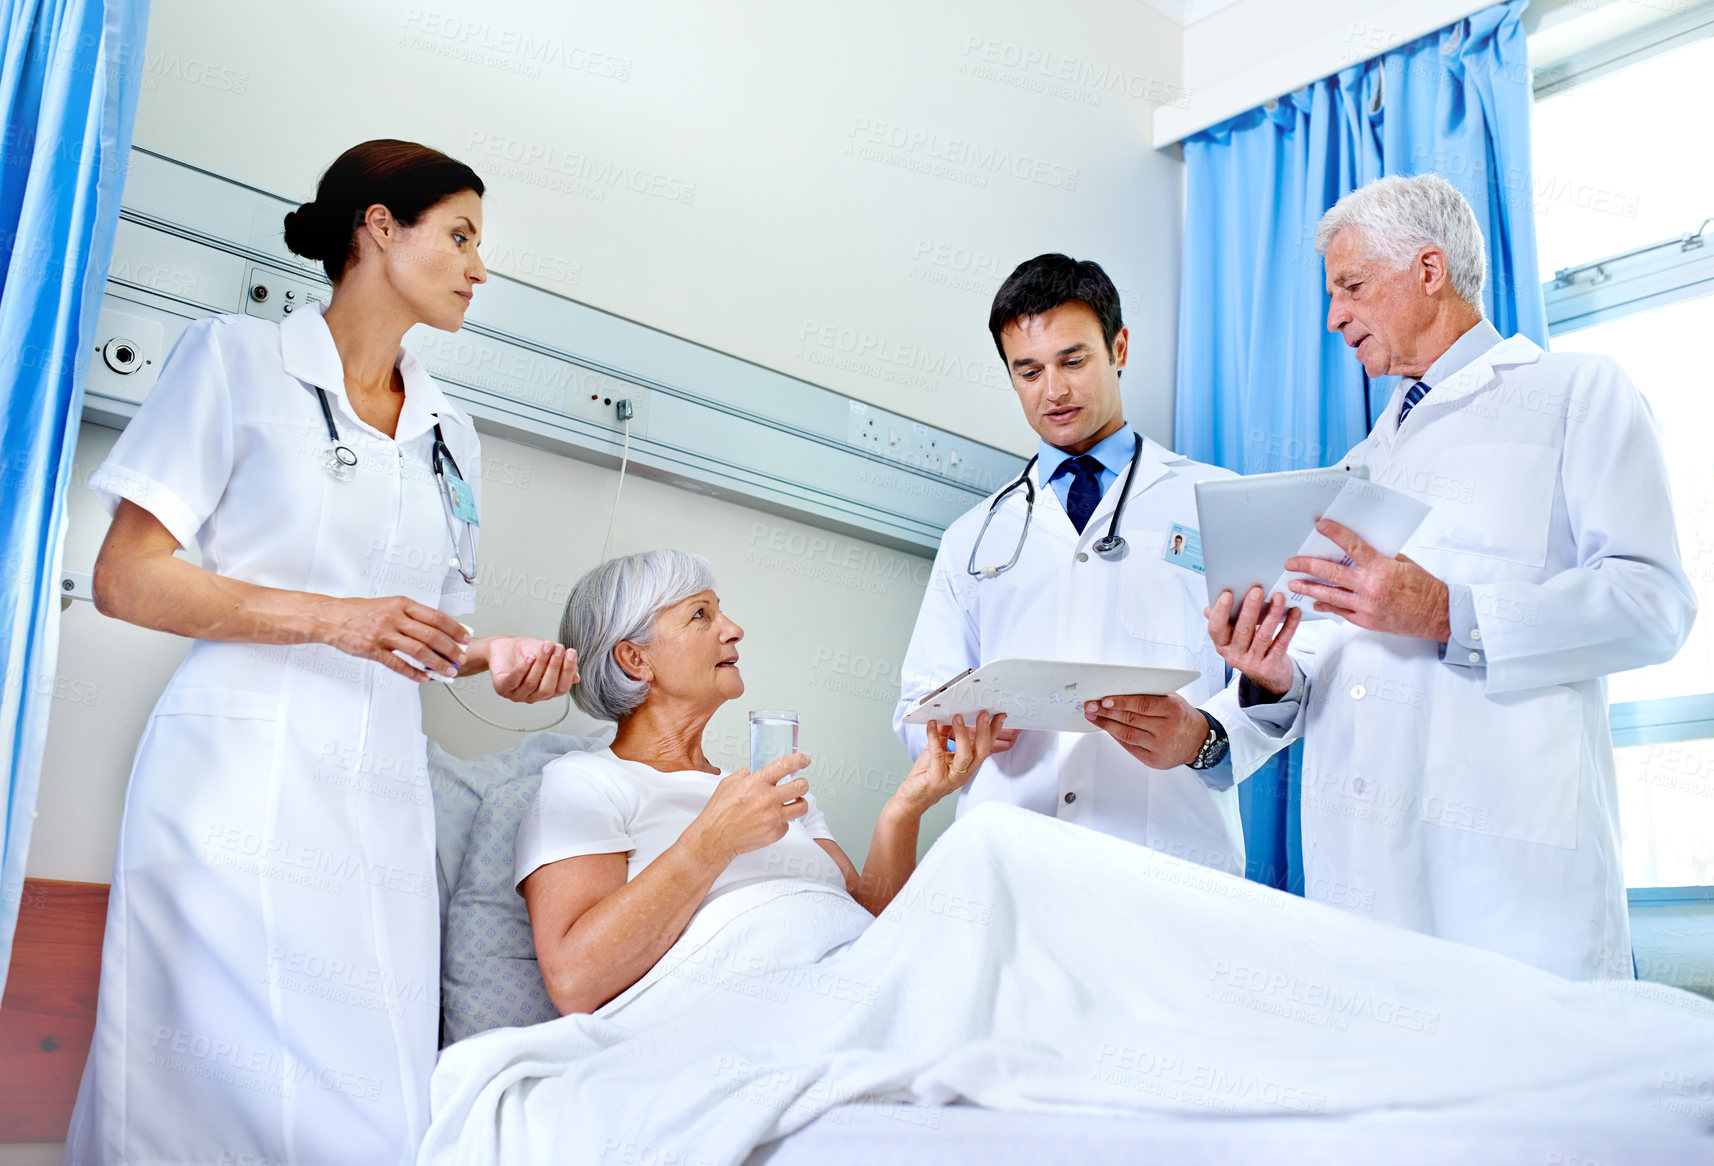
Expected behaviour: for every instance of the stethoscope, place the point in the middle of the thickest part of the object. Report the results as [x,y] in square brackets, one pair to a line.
[341,461]
[1109,546]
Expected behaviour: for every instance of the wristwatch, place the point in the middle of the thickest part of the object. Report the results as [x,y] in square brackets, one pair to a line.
[1214,748]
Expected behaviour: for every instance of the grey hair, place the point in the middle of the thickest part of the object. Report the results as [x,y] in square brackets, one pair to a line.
[1399,216]
[619,601]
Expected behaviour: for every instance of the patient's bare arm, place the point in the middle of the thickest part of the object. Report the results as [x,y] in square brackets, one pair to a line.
[893,849]
[597,934]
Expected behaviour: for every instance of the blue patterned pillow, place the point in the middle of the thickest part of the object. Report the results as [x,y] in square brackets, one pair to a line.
[488,959]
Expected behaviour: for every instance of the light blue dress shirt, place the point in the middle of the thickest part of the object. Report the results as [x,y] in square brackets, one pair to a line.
[1114,452]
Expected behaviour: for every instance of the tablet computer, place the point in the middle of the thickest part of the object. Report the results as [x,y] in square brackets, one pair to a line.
[1252,525]
[1042,694]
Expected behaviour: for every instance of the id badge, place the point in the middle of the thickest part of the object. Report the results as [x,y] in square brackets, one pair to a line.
[463,497]
[1184,548]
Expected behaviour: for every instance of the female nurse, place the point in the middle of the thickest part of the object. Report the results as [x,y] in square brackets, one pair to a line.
[270,972]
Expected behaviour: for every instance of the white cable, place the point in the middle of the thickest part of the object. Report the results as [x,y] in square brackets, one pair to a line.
[624,458]
[454,695]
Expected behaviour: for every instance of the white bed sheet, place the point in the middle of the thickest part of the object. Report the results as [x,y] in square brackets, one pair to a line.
[929,1136]
[1034,967]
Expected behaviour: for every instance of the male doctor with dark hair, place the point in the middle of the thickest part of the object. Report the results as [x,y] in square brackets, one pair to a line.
[1458,773]
[1075,560]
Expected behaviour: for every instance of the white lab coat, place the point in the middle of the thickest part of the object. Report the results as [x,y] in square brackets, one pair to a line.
[1064,602]
[1479,804]
[270,972]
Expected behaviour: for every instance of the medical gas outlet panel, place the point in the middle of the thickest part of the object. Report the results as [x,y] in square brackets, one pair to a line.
[911,443]
[538,367]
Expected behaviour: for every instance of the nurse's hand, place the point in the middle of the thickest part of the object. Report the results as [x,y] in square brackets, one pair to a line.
[938,773]
[371,629]
[526,669]
[1256,643]
[748,811]
[1163,732]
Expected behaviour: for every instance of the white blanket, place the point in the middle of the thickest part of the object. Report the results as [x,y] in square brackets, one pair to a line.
[1034,965]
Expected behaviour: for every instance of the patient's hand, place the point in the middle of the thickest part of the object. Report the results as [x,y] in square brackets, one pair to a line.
[526,669]
[893,850]
[749,810]
[938,773]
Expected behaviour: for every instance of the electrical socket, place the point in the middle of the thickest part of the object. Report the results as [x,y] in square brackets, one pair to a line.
[902,440]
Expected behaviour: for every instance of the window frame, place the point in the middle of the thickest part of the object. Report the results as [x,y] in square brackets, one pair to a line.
[1610,288]
[1663,721]
[1621,52]
[1578,297]
[1663,273]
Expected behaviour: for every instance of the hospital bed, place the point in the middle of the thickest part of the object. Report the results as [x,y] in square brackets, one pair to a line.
[934,1137]
[489,979]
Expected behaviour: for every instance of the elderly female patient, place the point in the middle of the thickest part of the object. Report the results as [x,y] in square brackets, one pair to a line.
[623,846]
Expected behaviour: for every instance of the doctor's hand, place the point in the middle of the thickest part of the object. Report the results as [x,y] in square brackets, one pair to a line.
[371,629]
[1255,644]
[748,811]
[1162,732]
[526,669]
[1375,592]
[938,773]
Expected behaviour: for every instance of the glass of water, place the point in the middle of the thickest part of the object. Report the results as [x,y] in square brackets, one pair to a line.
[773,735]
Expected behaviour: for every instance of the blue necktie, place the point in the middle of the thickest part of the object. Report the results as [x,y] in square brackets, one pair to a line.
[1085,492]
[1412,395]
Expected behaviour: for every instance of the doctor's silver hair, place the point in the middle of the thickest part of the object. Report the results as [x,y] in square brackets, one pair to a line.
[619,601]
[1399,216]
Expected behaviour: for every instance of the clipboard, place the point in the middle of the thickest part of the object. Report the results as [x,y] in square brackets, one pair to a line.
[1042,694]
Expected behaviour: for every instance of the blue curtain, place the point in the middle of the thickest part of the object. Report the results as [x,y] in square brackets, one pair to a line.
[68,97]
[1262,384]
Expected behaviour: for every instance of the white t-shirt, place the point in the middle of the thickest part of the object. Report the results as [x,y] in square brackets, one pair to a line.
[596,803]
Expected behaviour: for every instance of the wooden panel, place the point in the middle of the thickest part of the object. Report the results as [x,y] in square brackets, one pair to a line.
[48,1015]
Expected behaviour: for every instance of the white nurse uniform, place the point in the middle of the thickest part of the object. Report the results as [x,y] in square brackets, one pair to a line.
[269,981]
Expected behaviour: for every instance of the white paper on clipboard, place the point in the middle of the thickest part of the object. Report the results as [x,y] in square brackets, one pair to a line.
[1382,517]
[1042,694]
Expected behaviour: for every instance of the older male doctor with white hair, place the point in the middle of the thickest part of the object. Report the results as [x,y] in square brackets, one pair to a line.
[1458,772]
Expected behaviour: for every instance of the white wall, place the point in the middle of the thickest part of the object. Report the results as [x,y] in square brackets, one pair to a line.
[725,173]
[834,191]
[1252,51]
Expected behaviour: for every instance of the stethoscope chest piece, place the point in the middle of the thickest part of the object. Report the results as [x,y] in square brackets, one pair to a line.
[1110,546]
[340,460]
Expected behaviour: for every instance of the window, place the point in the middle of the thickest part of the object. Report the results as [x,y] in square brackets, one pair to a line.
[1621,161]
[1623,187]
